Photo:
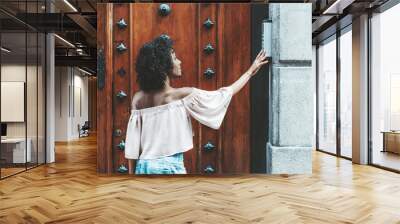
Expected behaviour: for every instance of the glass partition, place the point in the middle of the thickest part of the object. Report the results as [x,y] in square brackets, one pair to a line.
[327,96]
[14,154]
[22,77]
[385,89]
[346,93]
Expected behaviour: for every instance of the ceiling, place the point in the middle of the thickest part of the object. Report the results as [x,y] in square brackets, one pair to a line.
[39,6]
[331,15]
[76,21]
[72,20]
[23,48]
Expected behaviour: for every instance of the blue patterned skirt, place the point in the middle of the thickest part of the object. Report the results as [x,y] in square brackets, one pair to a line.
[165,165]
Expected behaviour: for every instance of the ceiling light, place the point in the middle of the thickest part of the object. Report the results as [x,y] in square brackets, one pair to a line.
[5,50]
[70,5]
[65,41]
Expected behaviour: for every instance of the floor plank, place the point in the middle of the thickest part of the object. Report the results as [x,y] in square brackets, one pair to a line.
[70,191]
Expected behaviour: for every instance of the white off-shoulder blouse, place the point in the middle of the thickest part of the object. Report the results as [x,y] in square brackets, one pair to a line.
[167,129]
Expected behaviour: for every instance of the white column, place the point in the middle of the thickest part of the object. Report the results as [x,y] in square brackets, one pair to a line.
[360,90]
[50,93]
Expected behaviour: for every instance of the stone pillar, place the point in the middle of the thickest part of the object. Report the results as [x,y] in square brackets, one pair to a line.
[289,148]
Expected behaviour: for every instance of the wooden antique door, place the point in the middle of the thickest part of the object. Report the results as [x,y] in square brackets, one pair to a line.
[213,42]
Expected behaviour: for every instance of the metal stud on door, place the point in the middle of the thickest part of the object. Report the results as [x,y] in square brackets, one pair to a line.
[121,94]
[209,169]
[117,132]
[122,24]
[208,24]
[122,169]
[121,47]
[208,147]
[164,10]
[121,72]
[209,49]
[121,145]
[209,73]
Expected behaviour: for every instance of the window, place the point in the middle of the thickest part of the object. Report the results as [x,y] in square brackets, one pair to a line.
[385,89]
[327,96]
[346,93]
[22,75]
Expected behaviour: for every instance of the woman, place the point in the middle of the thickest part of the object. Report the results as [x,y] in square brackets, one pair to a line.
[159,129]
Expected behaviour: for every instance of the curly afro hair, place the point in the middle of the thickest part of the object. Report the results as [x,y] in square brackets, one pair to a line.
[154,63]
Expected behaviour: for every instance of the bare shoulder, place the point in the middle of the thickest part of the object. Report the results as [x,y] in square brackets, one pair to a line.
[183,92]
[135,99]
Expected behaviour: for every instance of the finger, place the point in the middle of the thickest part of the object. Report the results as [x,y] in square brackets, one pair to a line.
[265,62]
[264,54]
[259,55]
[264,57]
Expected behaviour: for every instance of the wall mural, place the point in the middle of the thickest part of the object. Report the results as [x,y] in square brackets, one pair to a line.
[173,93]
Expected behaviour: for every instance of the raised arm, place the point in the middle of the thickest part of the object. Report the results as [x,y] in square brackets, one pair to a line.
[257,64]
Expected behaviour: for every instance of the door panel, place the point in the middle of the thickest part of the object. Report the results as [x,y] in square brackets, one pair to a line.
[120,84]
[230,37]
[181,26]
[235,58]
[207,135]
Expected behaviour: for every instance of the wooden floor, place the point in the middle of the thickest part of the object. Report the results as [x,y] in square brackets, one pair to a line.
[8,171]
[386,159]
[70,191]
[5,172]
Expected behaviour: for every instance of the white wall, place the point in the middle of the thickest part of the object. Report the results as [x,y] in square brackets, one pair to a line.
[79,112]
[33,126]
[14,73]
[61,103]
[17,73]
[71,93]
